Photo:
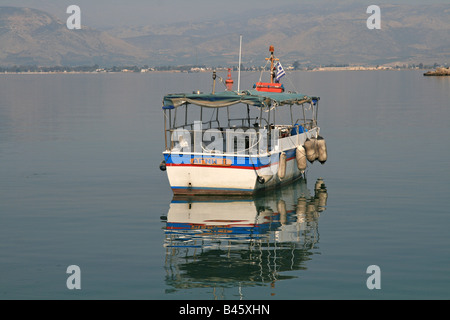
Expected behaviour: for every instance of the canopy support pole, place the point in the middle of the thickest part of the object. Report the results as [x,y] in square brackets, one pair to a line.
[165,128]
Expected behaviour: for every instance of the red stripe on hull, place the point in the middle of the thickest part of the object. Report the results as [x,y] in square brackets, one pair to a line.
[212,192]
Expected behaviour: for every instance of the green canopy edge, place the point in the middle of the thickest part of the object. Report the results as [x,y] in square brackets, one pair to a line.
[229,98]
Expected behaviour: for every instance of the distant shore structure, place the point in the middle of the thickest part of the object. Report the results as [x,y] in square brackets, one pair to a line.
[439,72]
[136,69]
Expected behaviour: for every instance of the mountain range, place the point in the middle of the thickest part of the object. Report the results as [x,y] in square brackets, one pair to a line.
[33,37]
[310,35]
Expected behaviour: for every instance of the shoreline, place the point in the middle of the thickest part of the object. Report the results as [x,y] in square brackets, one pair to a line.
[324,69]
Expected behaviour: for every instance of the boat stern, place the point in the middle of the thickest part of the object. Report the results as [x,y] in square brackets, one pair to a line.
[210,176]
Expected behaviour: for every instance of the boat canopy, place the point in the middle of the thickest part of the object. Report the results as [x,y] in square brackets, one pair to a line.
[229,98]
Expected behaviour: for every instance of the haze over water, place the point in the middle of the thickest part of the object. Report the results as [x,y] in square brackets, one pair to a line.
[80,185]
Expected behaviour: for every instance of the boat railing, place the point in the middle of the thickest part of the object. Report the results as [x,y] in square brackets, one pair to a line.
[236,141]
[244,122]
[231,123]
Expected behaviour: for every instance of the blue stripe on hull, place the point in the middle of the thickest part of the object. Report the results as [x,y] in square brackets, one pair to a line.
[236,161]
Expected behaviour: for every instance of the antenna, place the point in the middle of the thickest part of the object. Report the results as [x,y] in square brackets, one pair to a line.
[239,67]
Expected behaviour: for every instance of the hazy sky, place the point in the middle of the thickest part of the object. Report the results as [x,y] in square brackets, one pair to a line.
[110,13]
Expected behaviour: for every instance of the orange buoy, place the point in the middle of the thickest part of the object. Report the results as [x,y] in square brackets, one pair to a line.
[229,81]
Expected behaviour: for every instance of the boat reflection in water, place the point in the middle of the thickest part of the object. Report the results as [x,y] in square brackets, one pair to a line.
[241,242]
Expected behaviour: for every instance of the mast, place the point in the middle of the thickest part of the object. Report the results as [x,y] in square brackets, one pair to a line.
[272,60]
[239,67]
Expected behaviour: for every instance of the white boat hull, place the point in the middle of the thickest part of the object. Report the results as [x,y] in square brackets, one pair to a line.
[235,175]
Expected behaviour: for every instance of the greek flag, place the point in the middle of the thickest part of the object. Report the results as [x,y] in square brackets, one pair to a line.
[280,72]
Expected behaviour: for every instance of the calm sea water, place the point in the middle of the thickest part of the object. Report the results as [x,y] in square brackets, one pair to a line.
[80,185]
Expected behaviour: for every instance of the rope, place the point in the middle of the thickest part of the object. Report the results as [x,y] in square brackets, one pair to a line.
[290,81]
[222,81]
[263,69]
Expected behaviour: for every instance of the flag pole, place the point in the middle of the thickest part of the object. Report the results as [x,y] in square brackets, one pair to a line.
[239,67]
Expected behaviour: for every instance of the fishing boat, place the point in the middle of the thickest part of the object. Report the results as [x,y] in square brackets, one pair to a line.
[240,142]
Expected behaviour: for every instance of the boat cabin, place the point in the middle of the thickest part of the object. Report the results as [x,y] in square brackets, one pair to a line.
[248,122]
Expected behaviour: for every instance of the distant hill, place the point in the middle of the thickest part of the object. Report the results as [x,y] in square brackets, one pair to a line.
[34,37]
[315,34]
